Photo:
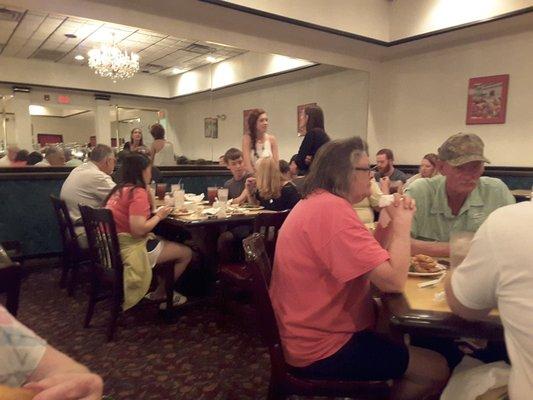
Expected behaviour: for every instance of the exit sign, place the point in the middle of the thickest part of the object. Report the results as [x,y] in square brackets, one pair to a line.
[63,99]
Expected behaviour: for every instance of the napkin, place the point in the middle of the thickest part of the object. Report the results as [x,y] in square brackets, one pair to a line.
[211,211]
[195,198]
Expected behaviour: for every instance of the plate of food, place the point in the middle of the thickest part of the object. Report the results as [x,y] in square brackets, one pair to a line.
[251,207]
[182,213]
[422,265]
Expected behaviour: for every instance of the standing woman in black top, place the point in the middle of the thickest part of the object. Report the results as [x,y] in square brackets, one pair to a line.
[315,137]
[136,140]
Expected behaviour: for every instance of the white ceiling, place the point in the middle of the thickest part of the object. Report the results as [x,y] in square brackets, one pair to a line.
[39,35]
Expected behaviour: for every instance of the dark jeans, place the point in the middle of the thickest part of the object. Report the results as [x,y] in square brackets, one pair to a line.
[366,356]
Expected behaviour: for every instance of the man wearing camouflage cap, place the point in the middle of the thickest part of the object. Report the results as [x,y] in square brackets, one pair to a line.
[458,200]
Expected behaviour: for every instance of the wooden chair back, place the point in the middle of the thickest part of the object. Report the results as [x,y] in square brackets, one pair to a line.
[66,227]
[259,266]
[282,381]
[104,246]
[268,225]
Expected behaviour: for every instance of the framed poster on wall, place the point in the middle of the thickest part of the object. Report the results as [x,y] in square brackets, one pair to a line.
[300,122]
[211,128]
[487,100]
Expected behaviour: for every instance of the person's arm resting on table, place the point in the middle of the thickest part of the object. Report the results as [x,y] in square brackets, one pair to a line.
[471,288]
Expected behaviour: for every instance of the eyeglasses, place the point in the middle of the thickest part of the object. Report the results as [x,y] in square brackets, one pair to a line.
[368,169]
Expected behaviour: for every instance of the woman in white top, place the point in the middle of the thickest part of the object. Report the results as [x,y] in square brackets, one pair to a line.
[257,143]
[162,150]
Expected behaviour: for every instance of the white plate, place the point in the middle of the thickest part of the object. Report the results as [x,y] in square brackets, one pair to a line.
[430,274]
[182,213]
[258,208]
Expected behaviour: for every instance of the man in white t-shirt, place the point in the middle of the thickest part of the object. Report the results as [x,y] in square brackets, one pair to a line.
[498,272]
[90,183]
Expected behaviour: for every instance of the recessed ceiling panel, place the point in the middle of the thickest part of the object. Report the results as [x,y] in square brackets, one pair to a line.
[34,34]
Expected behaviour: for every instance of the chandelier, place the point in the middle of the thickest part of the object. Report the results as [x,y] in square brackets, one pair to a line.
[112,62]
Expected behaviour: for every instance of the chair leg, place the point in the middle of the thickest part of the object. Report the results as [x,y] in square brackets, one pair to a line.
[64,270]
[112,327]
[92,302]
[74,272]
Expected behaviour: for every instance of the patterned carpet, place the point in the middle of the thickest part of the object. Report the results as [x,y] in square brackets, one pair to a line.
[196,357]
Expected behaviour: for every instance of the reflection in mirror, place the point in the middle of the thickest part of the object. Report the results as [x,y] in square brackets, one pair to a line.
[127,122]
[6,123]
[341,93]
[61,134]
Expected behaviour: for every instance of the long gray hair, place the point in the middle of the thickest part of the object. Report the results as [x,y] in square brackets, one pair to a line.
[332,169]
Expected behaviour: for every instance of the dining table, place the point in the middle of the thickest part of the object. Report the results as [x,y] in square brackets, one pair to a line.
[521,194]
[424,311]
[203,229]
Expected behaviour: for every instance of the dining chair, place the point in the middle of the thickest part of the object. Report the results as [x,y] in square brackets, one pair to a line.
[10,279]
[107,269]
[283,382]
[266,224]
[73,254]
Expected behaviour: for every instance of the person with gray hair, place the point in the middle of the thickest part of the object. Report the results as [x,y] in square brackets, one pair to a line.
[53,157]
[90,183]
[324,249]
[9,158]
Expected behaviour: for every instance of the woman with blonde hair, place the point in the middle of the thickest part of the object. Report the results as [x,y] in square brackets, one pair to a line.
[269,189]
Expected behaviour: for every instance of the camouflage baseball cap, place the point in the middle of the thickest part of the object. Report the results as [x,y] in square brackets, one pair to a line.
[462,148]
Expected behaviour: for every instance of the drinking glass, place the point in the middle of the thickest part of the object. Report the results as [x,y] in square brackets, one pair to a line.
[460,243]
[160,190]
[175,187]
[179,199]
[222,195]
[212,192]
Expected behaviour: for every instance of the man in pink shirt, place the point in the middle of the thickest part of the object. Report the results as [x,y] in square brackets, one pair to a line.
[324,264]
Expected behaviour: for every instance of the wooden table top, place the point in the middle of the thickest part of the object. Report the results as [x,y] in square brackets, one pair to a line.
[417,311]
[199,218]
[526,194]
[427,298]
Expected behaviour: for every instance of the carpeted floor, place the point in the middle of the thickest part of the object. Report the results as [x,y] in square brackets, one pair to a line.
[195,357]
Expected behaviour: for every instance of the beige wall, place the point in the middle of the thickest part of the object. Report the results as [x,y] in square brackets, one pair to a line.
[417,102]
[239,69]
[414,17]
[74,129]
[343,97]
[362,17]
[27,71]
[384,19]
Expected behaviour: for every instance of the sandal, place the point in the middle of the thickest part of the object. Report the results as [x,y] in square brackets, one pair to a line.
[177,300]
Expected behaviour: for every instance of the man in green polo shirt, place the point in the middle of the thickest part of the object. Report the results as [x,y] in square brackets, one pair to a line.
[458,200]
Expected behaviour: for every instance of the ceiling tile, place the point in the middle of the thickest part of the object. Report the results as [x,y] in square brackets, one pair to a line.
[43,36]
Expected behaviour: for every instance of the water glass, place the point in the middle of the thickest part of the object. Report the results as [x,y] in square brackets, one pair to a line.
[460,243]
[176,186]
[222,195]
[179,198]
